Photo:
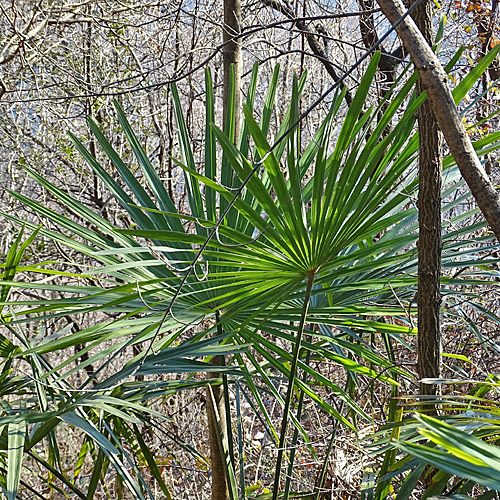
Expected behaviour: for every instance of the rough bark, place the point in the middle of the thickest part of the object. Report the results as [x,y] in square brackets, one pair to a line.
[231,59]
[429,218]
[231,56]
[435,82]
[220,489]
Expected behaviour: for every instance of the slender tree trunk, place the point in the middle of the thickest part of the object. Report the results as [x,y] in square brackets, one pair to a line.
[435,82]
[215,397]
[429,218]
[231,54]
[231,59]
[389,61]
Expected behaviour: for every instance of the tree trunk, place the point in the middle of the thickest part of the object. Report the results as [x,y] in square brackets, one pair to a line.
[429,219]
[220,490]
[435,82]
[389,61]
[231,59]
[231,55]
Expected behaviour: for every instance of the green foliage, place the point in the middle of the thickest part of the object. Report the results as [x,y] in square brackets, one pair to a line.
[453,454]
[309,247]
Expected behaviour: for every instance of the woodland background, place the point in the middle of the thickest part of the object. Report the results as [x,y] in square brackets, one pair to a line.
[103,395]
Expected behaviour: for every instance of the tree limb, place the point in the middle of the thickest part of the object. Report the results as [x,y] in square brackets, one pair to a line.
[312,39]
[388,60]
[435,81]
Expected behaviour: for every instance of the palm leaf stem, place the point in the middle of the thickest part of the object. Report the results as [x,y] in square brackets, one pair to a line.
[240,441]
[291,383]
[300,404]
[382,489]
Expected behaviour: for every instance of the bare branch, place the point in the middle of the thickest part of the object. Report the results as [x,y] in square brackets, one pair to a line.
[312,39]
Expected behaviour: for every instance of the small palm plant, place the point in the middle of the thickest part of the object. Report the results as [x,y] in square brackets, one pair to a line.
[451,456]
[296,255]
